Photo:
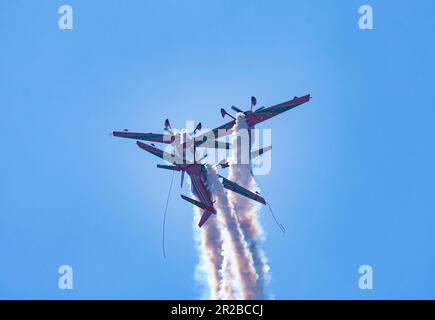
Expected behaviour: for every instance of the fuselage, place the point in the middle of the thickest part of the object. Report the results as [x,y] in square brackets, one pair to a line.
[198,177]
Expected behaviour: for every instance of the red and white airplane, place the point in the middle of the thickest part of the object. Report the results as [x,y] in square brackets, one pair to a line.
[198,177]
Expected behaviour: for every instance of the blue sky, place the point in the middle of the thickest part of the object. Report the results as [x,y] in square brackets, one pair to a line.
[352,173]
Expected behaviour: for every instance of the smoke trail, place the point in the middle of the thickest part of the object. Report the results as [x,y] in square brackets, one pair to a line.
[247,210]
[226,263]
[230,285]
[239,276]
[209,244]
[230,282]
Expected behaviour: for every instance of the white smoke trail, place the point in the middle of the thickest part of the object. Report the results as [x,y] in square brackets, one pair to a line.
[209,247]
[239,276]
[230,280]
[240,269]
[247,210]
[230,285]
[208,238]
[228,260]
[209,244]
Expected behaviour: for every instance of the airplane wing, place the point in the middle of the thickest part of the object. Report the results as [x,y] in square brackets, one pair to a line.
[252,119]
[160,153]
[242,191]
[153,137]
[208,138]
[267,113]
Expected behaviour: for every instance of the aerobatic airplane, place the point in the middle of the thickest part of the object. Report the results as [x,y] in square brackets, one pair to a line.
[252,118]
[198,176]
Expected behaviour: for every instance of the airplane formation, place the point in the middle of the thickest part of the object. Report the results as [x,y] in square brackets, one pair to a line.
[196,169]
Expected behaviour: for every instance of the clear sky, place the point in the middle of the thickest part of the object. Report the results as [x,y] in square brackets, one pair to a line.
[352,175]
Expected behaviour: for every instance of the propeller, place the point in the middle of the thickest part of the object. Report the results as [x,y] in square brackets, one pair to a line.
[225,113]
[168,126]
[253,102]
[198,128]
[182,178]
[203,157]
[236,109]
[259,109]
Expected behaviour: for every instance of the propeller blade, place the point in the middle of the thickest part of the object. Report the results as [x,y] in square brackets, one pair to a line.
[198,127]
[168,125]
[223,112]
[253,101]
[236,109]
[182,178]
[203,157]
[259,109]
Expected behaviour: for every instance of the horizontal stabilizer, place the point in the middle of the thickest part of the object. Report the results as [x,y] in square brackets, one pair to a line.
[162,166]
[194,202]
